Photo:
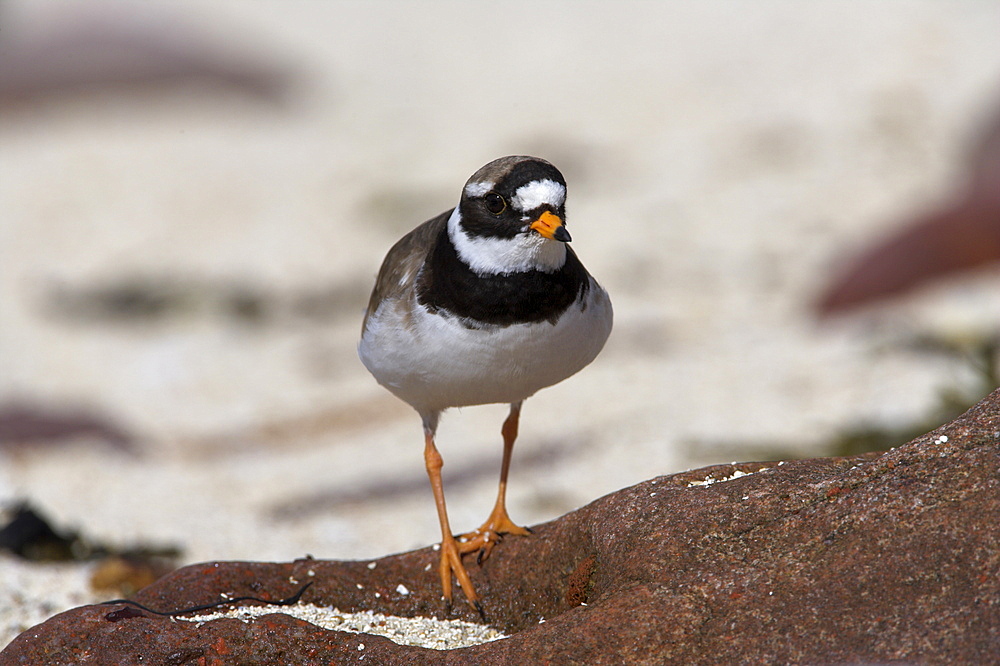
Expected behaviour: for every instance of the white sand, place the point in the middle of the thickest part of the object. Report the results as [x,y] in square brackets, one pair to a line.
[418,631]
[722,159]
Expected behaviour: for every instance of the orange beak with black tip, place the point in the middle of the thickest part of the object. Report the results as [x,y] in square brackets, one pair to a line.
[549,225]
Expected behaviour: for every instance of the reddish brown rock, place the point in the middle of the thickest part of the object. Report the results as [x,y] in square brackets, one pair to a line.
[891,557]
[960,235]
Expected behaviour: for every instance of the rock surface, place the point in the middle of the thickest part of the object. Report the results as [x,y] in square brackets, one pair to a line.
[878,558]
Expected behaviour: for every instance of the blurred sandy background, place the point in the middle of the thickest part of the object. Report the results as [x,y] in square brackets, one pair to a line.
[184,259]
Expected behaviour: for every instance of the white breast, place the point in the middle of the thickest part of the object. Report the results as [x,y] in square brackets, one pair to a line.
[434,362]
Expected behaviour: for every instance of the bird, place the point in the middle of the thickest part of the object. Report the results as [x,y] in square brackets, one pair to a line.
[485,303]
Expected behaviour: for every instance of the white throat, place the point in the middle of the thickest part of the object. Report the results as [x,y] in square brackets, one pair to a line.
[498,256]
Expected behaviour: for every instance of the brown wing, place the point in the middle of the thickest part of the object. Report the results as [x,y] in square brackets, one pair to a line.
[397,276]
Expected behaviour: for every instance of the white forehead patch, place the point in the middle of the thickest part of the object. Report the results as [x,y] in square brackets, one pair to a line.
[478,189]
[539,193]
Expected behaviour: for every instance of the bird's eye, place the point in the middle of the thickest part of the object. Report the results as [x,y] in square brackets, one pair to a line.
[495,203]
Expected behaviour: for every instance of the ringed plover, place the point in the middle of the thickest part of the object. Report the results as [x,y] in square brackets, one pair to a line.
[485,303]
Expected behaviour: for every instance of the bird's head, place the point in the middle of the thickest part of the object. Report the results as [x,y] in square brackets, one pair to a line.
[512,217]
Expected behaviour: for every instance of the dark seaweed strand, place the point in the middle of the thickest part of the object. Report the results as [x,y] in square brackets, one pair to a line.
[118,615]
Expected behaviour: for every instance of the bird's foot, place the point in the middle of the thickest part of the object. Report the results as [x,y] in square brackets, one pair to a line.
[490,534]
[451,564]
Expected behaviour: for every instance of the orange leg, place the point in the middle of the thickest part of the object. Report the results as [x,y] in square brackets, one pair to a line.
[451,556]
[499,523]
